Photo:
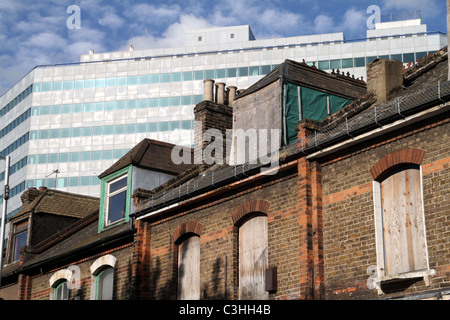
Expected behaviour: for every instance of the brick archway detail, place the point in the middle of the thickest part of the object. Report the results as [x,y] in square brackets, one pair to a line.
[250,207]
[394,160]
[185,228]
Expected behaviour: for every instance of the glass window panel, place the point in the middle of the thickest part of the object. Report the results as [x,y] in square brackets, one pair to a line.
[68,85]
[175,101]
[64,157]
[408,57]
[396,57]
[324,65]
[197,99]
[143,79]
[130,128]
[79,84]
[231,72]
[119,129]
[67,108]
[254,71]
[35,111]
[187,76]
[209,74]
[95,181]
[175,125]
[58,85]
[117,207]
[77,108]
[121,104]
[153,103]
[154,78]
[165,77]
[96,155]
[118,184]
[186,124]
[84,181]
[74,156]
[421,55]
[370,59]
[152,127]
[42,158]
[54,133]
[122,81]
[76,132]
[132,104]
[105,284]
[97,131]
[132,80]
[384,56]
[141,127]
[46,110]
[73,182]
[100,83]
[360,62]
[87,131]
[164,126]
[335,64]
[108,130]
[198,75]
[51,183]
[65,133]
[111,82]
[347,63]
[53,158]
[107,154]
[37,87]
[44,134]
[61,182]
[20,240]
[243,72]
[88,107]
[176,76]
[164,102]
[142,103]
[221,73]
[88,84]
[85,156]
[110,105]
[99,106]
[186,100]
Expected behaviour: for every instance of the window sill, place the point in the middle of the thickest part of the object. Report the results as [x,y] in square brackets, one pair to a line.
[425,274]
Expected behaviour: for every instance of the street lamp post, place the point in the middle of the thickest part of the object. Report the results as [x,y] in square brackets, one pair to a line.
[5,203]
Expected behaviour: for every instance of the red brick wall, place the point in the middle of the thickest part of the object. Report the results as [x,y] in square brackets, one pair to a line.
[348,212]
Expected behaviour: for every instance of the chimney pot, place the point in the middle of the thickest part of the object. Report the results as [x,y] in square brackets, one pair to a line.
[208,89]
[220,92]
[231,94]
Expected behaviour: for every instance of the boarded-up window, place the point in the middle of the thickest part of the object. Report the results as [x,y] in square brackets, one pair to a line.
[403,222]
[189,269]
[253,258]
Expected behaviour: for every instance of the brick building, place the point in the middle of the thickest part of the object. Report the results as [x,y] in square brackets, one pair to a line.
[357,207]
[353,203]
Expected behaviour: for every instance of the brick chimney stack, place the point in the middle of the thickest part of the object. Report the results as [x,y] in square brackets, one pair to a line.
[384,77]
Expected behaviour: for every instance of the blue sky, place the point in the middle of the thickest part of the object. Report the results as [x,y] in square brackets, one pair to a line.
[35,32]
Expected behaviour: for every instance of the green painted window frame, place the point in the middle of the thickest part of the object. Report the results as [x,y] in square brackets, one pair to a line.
[103,198]
[99,279]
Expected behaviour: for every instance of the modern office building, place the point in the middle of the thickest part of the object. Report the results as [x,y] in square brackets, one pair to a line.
[63,125]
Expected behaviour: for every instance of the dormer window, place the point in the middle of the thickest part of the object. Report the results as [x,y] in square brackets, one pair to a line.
[19,239]
[115,198]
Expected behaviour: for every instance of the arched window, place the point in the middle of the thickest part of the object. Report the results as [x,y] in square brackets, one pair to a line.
[253,258]
[187,237]
[189,269]
[102,278]
[399,215]
[61,290]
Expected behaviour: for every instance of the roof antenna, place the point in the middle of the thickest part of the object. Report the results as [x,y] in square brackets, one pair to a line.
[56,175]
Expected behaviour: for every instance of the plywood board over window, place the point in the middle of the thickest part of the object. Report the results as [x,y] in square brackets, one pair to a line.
[189,269]
[253,258]
[403,222]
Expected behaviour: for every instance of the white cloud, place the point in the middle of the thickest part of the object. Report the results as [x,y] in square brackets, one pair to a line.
[429,8]
[111,20]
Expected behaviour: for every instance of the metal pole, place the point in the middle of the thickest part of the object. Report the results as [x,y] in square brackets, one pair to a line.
[5,206]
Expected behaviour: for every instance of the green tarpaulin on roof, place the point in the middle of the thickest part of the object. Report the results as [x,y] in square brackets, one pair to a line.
[313,105]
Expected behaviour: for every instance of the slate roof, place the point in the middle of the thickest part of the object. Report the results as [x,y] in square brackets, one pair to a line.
[149,154]
[59,203]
